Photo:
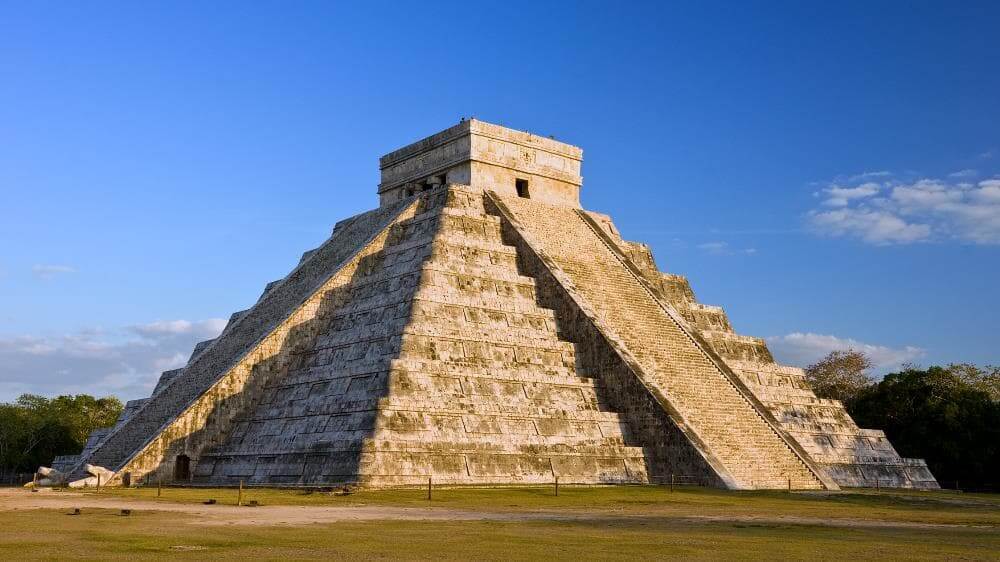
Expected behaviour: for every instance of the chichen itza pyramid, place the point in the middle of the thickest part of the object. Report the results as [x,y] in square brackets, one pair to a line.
[480,327]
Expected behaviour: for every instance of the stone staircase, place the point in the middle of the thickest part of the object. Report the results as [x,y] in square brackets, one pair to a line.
[437,362]
[851,456]
[743,445]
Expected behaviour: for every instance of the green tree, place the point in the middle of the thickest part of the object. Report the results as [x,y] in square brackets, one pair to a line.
[939,414]
[14,436]
[985,379]
[83,413]
[841,375]
[35,429]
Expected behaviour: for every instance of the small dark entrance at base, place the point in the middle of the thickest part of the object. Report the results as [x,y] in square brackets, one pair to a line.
[182,468]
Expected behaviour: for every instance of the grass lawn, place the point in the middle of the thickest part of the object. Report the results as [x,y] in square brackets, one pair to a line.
[910,506]
[656,524]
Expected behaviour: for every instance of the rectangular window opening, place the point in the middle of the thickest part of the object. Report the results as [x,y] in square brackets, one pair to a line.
[522,188]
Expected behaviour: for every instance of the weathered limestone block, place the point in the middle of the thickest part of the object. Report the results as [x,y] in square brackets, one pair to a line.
[47,476]
[99,476]
[484,156]
[168,376]
[64,463]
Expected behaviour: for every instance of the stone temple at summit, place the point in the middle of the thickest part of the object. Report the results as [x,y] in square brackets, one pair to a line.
[481,327]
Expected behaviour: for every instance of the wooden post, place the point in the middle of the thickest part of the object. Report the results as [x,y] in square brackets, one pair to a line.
[98,483]
[877,482]
[557,486]
[34,481]
[159,485]
[239,496]
[671,481]
[789,484]
[429,486]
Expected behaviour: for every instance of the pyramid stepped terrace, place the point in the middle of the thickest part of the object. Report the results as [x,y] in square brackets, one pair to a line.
[480,327]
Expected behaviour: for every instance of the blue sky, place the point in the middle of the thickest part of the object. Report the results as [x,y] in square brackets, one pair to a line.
[827,172]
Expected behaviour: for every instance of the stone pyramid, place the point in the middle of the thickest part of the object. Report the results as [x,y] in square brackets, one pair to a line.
[480,327]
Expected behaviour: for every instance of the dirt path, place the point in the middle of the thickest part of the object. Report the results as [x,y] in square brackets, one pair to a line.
[18,499]
[232,515]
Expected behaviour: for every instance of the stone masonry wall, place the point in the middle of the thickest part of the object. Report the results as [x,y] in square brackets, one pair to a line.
[436,362]
[669,452]
[161,427]
[737,436]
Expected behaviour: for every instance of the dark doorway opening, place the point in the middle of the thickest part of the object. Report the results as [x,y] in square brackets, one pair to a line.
[182,468]
[127,479]
[522,188]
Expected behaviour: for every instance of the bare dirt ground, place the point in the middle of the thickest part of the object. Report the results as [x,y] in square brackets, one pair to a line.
[278,515]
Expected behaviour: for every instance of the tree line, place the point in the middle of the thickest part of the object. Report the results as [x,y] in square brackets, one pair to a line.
[35,429]
[948,415]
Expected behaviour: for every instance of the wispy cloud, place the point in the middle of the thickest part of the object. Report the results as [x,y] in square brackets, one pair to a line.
[903,212]
[719,248]
[837,196]
[125,362]
[803,349]
[966,173]
[714,247]
[203,328]
[47,272]
[865,176]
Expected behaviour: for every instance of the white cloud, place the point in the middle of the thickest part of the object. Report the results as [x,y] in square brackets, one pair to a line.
[125,363]
[175,361]
[206,328]
[989,192]
[924,194]
[876,227]
[46,272]
[803,349]
[714,247]
[897,212]
[967,173]
[840,196]
[870,175]
[724,249]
